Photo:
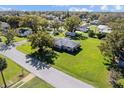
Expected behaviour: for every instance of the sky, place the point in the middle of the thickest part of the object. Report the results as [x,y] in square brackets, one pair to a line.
[88,8]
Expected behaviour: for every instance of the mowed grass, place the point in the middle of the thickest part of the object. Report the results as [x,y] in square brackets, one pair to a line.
[11,73]
[36,83]
[87,65]
[25,48]
[16,39]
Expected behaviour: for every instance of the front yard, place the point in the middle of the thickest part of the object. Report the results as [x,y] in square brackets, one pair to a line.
[16,39]
[11,73]
[12,76]
[87,65]
[36,83]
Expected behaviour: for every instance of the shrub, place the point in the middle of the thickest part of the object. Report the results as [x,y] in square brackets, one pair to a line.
[101,35]
[55,33]
[91,33]
[0,40]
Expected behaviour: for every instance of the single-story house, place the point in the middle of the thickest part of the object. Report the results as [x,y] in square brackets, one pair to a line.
[84,19]
[70,34]
[66,44]
[120,59]
[121,63]
[94,22]
[84,27]
[24,32]
[104,28]
[4,27]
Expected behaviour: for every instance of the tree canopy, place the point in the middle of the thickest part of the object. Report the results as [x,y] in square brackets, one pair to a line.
[13,21]
[31,21]
[72,23]
[113,44]
[41,40]
[9,37]
[56,24]
[44,23]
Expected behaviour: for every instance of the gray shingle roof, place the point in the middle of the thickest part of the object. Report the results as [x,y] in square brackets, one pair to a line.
[66,42]
[4,25]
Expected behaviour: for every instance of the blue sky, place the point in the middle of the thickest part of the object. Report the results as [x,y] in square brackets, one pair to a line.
[90,8]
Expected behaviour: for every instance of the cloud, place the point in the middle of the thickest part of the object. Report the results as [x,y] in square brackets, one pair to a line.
[92,6]
[118,7]
[104,7]
[5,9]
[79,9]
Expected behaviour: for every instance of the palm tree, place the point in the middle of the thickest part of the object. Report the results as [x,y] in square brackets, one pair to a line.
[3,65]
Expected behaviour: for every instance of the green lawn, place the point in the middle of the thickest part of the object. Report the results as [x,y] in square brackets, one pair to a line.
[36,83]
[3,38]
[16,39]
[12,72]
[83,33]
[87,65]
[25,48]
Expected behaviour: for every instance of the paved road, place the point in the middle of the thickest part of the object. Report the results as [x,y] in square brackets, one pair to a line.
[51,75]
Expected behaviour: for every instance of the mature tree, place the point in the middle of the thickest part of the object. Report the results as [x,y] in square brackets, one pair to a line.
[41,40]
[72,23]
[104,19]
[113,49]
[3,65]
[83,15]
[56,24]
[112,45]
[14,21]
[31,21]
[44,24]
[101,35]
[91,33]
[117,24]
[9,37]
[94,16]
[4,18]
[67,14]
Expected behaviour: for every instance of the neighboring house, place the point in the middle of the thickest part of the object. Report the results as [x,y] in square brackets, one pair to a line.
[94,22]
[70,34]
[4,27]
[49,28]
[84,27]
[66,44]
[104,28]
[84,19]
[121,63]
[24,32]
[120,59]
